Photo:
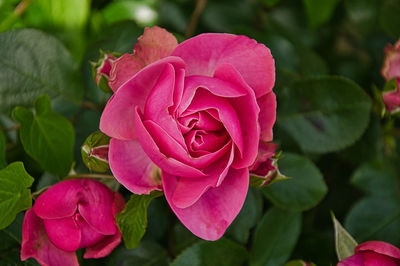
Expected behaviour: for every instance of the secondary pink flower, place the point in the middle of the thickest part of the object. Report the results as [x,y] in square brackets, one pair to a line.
[73,214]
[391,64]
[196,110]
[373,253]
[391,99]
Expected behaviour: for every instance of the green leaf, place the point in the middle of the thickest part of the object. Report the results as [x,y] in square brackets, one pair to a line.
[389,17]
[299,263]
[319,12]
[33,63]
[376,178]
[146,254]
[3,161]
[222,252]
[66,14]
[46,136]
[304,189]
[132,221]
[324,114]
[344,242]
[375,218]
[15,195]
[247,217]
[363,13]
[275,237]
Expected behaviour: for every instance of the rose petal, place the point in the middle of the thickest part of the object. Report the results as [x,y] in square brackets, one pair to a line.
[188,190]
[209,217]
[35,244]
[391,64]
[375,259]
[154,44]
[248,111]
[267,117]
[160,100]
[392,100]
[64,233]
[104,247]
[89,236]
[166,163]
[52,204]
[355,260]
[117,120]
[132,167]
[96,206]
[204,53]
[379,247]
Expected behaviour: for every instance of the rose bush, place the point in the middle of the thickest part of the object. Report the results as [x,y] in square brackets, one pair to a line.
[73,214]
[373,253]
[196,110]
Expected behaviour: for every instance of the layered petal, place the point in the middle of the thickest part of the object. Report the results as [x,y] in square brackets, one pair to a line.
[376,259]
[391,99]
[117,120]
[132,167]
[214,211]
[267,104]
[155,43]
[35,244]
[380,247]
[204,53]
[104,247]
[355,260]
[64,233]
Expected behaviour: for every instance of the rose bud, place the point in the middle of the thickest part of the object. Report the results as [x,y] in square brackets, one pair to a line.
[264,170]
[373,253]
[101,70]
[391,99]
[73,214]
[95,152]
[391,63]
[198,111]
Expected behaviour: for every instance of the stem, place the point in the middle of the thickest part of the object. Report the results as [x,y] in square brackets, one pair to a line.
[40,191]
[200,5]
[18,11]
[88,176]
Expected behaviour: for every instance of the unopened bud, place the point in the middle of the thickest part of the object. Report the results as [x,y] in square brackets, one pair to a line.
[95,152]
[101,70]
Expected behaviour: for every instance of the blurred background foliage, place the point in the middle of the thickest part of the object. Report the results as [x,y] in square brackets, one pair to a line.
[352,169]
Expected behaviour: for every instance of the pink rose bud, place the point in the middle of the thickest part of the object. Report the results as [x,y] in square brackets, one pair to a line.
[391,99]
[73,214]
[95,152]
[391,64]
[197,110]
[264,170]
[373,253]
[101,70]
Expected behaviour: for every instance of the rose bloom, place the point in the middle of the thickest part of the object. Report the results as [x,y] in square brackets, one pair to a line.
[73,214]
[391,70]
[197,111]
[373,253]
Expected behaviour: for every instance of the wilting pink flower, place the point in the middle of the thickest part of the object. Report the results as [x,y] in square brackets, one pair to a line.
[373,253]
[73,214]
[391,64]
[196,110]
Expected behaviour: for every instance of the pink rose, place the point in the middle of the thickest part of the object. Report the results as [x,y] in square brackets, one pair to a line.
[391,99]
[73,214]
[196,110]
[391,64]
[373,253]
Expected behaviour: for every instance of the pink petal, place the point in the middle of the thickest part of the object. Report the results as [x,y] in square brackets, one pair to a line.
[52,204]
[132,167]
[188,190]
[204,53]
[380,247]
[392,100]
[117,120]
[96,206]
[155,43]
[267,104]
[209,217]
[391,65]
[375,259]
[166,163]
[355,260]
[161,99]
[64,233]
[89,236]
[104,247]
[123,69]
[248,111]
[35,244]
